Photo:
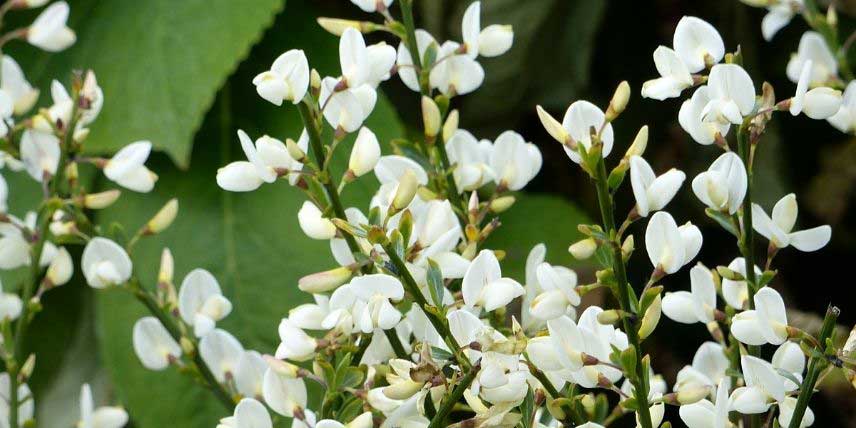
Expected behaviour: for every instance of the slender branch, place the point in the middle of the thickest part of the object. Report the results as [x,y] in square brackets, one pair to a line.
[625,291]
[395,342]
[572,415]
[450,401]
[412,46]
[815,366]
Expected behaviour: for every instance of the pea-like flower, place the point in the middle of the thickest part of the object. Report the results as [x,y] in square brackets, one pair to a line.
[287,79]
[514,162]
[127,167]
[105,263]
[767,323]
[457,74]
[692,120]
[734,292]
[49,30]
[102,417]
[732,95]
[15,85]
[40,153]
[764,386]
[471,158]
[484,286]
[346,109]
[652,193]
[559,293]
[697,43]
[493,41]
[778,15]
[267,159]
[778,229]
[844,119]
[695,306]
[704,414]
[674,76]
[10,305]
[579,119]
[296,344]
[707,370]
[284,394]
[723,186]
[377,291]
[813,47]
[671,247]
[221,352]
[201,303]
[314,224]
[153,344]
[249,413]
[501,379]
[818,103]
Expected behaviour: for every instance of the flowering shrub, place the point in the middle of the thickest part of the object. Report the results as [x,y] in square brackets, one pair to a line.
[417,326]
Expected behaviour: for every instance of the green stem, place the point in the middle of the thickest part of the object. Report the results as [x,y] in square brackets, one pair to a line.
[815,366]
[169,323]
[625,292]
[450,401]
[411,286]
[571,415]
[412,46]
[392,336]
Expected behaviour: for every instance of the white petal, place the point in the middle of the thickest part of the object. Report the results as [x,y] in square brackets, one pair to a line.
[732,82]
[772,318]
[746,328]
[283,394]
[703,292]
[313,224]
[101,252]
[495,40]
[578,121]
[471,27]
[695,39]
[822,103]
[249,413]
[153,344]
[680,306]
[249,374]
[239,176]
[811,239]
[221,352]
[664,243]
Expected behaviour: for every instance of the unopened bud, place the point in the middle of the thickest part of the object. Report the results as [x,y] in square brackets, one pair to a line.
[282,368]
[619,101]
[584,249]
[451,125]
[402,390]
[501,204]
[729,274]
[97,201]
[315,80]
[294,150]
[62,228]
[426,194]
[628,246]
[758,3]
[609,317]
[640,143]
[692,394]
[430,117]
[651,317]
[187,346]
[338,26]
[71,171]
[553,127]
[167,267]
[61,268]
[407,186]
[555,408]
[589,403]
[832,16]
[164,218]
[365,153]
[321,282]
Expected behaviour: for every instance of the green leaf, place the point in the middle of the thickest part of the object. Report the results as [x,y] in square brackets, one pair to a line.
[159,62]
[251,242]
[435,283]
[527,409]
[724,220]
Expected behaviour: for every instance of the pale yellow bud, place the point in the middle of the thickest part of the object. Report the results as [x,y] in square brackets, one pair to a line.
[608,317]
[584,249]
[97,201]
[832,16]
[338,26]
[501,204]
[692,394]
[294,150]
[640,143]
[164,218]
[315,79]
[407,187]
[321,282]
[619,101]
[651,317]
[282,368]
[71,172]
[451,125]
[61,268]
[553,127]
[28,367]
[628,246]
[430,117]
[167,267]
[402,390]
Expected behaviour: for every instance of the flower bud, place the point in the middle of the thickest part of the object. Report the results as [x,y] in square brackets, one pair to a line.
[619,101]
[402,390]
[338,26]
[187,346]
[167,267]
[640,143]
[501,204]
[407,186]
[314,224]
[31,4]
[365,154]
[583,249]
[451,125]
[164,218]
[495,40]
[832,16]
[97,201]
[553,127]
[28,367]
[758,3]
[294,150]
[71,171]
[430,117]
[651,317]
[321,282]
[282,368]
[315,80]
[609,317]
[692,394]
[729,274]
[61,268]
[628,246]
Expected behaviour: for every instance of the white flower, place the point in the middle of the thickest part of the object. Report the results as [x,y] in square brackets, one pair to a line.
[201,303]
[813,48]
[484,286]
[371,5]
[707,369]
[249,413]
[437,230]
[457,74]
[26,406]
[153,344]
[786,413]
[61,267]
[692,121]
[763,386]
[296,344]
[471,159]
[283,394]
[514,161]
[732,95]
[671,247]
[266,160]
[818,103]
[674,76]
[736,293]
[723,186]
[10,305]
[696,306]
[287,79]
[495,40]
[365,153]
[391,168]
[470,28]
[697,43]
[789,358]
[102,417]
[127,167]
[221,352]
[346,109]
[376,291]
[364,420]
[105,263]
[49,30]
[767,323]
[559,292]
[568,342]
[405,61]
[249,374]
[15,84]
[94,96]
[40,153]
[7,107]
[845,119]
[313,223]
[467,328]
[599,339]
[501,379]
[14,248]
[652,193]
[580,118]
[778,228]
[704,414]
[381,61]
[778,15]
[4,195]
[534,259]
